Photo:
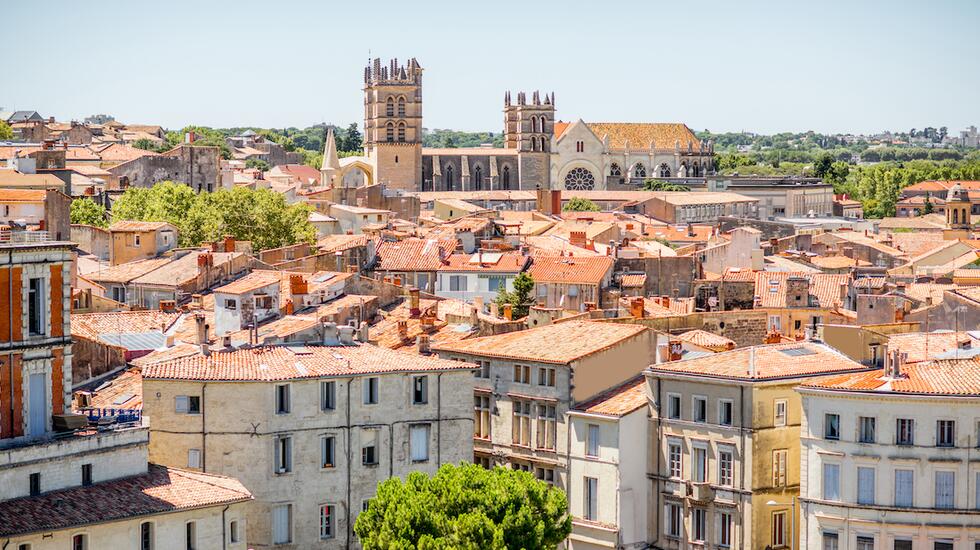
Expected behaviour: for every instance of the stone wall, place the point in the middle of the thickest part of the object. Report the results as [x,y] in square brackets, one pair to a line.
[664,275]
[91,359]
[197,166]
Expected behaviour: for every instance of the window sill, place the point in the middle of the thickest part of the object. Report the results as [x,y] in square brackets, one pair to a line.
[372,465]
[420,461]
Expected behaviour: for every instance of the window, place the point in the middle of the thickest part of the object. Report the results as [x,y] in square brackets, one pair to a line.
[483,371]
[674,521]
[866,485]
[865,543]
[79,542]
[945,489]
[591,511]
[725,412]
[522,374]
[369,447]
[778,529]
[724,529]
[401,131]
[726,466]
[699,520]
[371,390]
[328,446]
[187,404]
[592,441]
[282,399]
[904,485]
[699,464]
[546,376]
[35,484]
[905,431]
[521,429]
[831,426]
[700,412]
[545,474]
[944,544]
[579,146]
[190,535]
[579,179]
[390,132]
[86,475]
[481,417]
[146,536]
[401,106]
[390,107]
[831,481]
[231,303]
[945,433]
[866,429]
[136,240]
[831,541]
[328,521]
[457,283]
[615,170]
[282,528]
[976,502]
[419,442]
[193,458]
[572,291]
[233,533]
[779,413]
[904,545]
[496,283]
[779,467]
[674,456]
[673,406]
[35,307]
[328,396]
[420,390]
[547,427]
[773,320]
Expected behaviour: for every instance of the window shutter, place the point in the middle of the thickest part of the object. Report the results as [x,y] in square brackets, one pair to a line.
[831,482]
[181,404]
[420,442]
[866,485]
[903,488]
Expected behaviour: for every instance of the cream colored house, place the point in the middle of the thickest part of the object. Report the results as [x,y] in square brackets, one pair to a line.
[310,430]
[889,458]
[725,442]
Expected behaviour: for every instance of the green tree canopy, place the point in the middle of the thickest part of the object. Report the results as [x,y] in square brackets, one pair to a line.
[520,298]
[465,507]
[6,132]
[351,141]
[651,184]
[578,204]
[257,163]
[88,212]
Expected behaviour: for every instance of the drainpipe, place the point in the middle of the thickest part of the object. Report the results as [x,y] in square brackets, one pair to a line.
[741,483]
[348,511]
[10,335]
[439,419]
[204,431]
[224,526]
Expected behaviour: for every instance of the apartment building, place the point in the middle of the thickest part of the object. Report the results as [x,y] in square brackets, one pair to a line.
[483,274]
[136,240]
[310,430]
[529,380]
[889,458]
[570,282]
[725,444]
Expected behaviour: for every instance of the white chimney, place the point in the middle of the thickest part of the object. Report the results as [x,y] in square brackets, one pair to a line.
[331,336]
[346,333]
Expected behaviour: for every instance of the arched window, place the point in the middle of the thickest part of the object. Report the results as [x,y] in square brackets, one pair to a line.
[401,131]
[664,171]
[447,176]
[579,179]
[956,216]
[505,178]
[639,171]
[534,143]
[401,106]
[579,146]
[390,108]
[544,146]
[615,170]
[478,178]
[390,132]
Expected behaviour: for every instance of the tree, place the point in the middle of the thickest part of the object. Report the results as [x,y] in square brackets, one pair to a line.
[578,204]
[145,143]
[822,164]
[651,184]
[88,212]
[257,163]
[466,507]
[6,132]
[352,141]
[927,205]
[520,298]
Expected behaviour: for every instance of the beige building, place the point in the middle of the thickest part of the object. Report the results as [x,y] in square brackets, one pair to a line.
[725,443]
[135,240]
[310,430]
[569,282]
[889,458]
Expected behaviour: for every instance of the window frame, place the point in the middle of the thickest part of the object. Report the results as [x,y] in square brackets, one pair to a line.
[283,459]
[593,437]
[328,446]
[731,412]
[779,420]
[695,399]
[370,390]
[863,423]
[827,417]
[426,428]
[328,512]
[328,395]
[375,441]
[282,394]
[675,462]
[671,399]
[420,389]
[943,439]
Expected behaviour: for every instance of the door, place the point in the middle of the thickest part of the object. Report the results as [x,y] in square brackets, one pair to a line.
[38,408]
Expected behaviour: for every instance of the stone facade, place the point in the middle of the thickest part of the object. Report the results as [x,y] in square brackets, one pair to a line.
[197,166]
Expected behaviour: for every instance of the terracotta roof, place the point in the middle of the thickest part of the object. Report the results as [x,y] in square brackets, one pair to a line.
[413,254]
[770,287]
[295,362]
[124,273]
[177,351]
[633,280]
[640,134]
[122,391]
[921,291]
[869,283]
[158,491]
[707,340]
[335,243]
[487,262]
[922,346]
[135,225]
[91,325]
[929,222]
[618,400]
[559,343]
[9,178]
[253,281]
[570,270]
[946,377]
[22,195]
[118,152]
[837,262]
[942,185]
[738,275]
[184,269]
[775,361]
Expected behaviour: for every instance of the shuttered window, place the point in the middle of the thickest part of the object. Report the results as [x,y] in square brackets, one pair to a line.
[866,485]
[831,481]
[904,488]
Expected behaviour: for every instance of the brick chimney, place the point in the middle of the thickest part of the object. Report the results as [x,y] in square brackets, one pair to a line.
[229,243]
[508,312]
[773,337]
[168,306]
[636,307]
[423,344]
[403,329]
[298,285]
[414,302]
[676,350]
[577,238]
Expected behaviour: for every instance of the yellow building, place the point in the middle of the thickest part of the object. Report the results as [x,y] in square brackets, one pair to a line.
[725,436]
[135,240]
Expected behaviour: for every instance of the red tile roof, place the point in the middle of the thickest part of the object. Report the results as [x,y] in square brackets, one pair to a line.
[91,325]
[922,346]
[122,391]
[707,340]
[253,281]
[771,362]
[487,262]
[334,243]
[136,225]
[414,254]
[633,280]
[22,195]
[770,287]
[946,377]
[160,490]
[565,269]
[270,363]
[940,185]
[618,400]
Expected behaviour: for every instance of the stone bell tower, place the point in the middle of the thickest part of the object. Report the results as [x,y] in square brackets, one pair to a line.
[393,123]
[529,127]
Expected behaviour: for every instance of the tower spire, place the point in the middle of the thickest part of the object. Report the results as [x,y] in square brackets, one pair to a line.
[331,162]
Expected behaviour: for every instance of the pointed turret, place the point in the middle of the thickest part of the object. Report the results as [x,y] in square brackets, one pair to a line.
[331,162]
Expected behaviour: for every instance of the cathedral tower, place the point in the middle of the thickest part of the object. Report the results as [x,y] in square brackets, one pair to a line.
[959,224]
[393,122]
[529,127]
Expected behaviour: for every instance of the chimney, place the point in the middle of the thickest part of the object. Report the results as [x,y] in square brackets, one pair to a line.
[403,329]
[636,307]
[590,306]
[201,323]
[168,306]
[427,321]
[413,297]
[229,243]
[773,337]
[346,335]
[363,333]
[476,310]
[290,307]
[690,229]
[508,312]
[423,344]
[331,336]
[298,285]
[665,301]
[577,238]
[494,310]
[195,301]
[205,349]
[397,280]
[226,341]
[555,201]
[676,350]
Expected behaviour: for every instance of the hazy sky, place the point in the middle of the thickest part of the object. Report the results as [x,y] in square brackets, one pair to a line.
[823,65]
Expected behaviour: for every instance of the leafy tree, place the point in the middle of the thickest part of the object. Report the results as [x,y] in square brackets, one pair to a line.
[258,163]
[6,132]
[520,298]
[145,144]
[578,204]
[822,164]
[88,212]
[927,207]
[466,507]
[352,141]
[650,184]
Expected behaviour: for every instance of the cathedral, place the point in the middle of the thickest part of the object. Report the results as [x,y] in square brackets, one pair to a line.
[538,152]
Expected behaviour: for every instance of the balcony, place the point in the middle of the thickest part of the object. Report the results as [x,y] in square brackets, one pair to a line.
[701,492]
[90,439]
[8,237]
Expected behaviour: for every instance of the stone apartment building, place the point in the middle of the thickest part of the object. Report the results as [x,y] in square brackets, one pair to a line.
[529,380]
[569,282]
[889,457]
[197,166]
[310,430]
[725,443]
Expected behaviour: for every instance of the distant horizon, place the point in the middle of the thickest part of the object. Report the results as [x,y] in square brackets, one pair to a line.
[763,66]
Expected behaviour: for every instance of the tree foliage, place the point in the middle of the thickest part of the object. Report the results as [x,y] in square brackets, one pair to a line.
[350,141]
[6,132]
[465,507]
[651,184]
[257,164]
[260,216]
[88,212]
[520,298]
[454,138]
[578,204]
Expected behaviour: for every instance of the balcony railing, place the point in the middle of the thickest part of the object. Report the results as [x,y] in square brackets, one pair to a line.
[111,416]
[24,237]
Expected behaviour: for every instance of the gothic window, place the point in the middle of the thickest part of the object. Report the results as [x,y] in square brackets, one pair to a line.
[478,178]
[615,170]
[534,143]
[579,179]
[639,171]
[579,146]
[543,147]
[390,108]
[448,177]
[506,177]
[696,169]
[401,106]
[401,131]
[390,132]
[664,171]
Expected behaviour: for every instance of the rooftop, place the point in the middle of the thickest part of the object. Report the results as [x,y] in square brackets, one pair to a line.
[94,325]
[707,339]
[618,400]
[414,254]
[135,225]
[570,270]
[771,287]
[923,346]
[954,377]
[486,262]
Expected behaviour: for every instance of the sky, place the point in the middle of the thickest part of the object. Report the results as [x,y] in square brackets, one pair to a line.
[829,66]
